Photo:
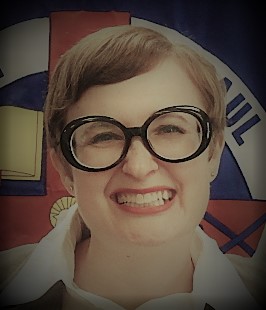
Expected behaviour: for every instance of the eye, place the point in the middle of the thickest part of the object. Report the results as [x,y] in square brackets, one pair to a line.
[105,137]
[164,129]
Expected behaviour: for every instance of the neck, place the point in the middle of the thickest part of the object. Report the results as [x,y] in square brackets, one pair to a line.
[138,273]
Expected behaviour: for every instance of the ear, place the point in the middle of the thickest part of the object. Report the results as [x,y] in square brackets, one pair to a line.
[215,159]
[64,173]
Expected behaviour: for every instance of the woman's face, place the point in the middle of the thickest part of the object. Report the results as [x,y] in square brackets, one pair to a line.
[131,102]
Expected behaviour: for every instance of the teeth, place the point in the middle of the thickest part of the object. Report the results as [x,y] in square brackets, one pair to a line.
[139,199]
[144,200]
[147,198]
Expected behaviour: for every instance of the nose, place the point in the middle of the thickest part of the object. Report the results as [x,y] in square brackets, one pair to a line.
[139,163]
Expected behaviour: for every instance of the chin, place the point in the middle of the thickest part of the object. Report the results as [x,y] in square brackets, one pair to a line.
[156,237]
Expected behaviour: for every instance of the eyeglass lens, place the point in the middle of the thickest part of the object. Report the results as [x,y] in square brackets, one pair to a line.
[173,136]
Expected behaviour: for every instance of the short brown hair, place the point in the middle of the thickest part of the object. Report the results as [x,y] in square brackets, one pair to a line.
[115,54]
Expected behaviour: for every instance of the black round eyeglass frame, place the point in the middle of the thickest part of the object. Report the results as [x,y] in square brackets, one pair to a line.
[129,133]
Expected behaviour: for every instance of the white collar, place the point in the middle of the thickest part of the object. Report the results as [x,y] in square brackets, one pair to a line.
[215,281]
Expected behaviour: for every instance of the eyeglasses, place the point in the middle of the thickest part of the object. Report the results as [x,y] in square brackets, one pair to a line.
[174,134]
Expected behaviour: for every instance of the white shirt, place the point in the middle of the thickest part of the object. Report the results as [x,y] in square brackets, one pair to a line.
[215,280]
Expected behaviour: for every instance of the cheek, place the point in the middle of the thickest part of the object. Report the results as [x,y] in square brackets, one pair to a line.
[193,183]
[88,184]
[89,193]
[194,173]
[85,184]
[197,180]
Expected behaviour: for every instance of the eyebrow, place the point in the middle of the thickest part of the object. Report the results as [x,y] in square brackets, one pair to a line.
[99,124]
[178,116]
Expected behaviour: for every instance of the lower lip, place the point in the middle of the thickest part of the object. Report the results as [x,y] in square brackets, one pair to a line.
[146,210]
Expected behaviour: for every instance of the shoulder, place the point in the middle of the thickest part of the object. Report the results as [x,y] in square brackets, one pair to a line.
[252,271]
[12,260]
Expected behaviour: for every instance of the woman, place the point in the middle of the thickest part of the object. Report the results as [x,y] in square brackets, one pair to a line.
[135,126]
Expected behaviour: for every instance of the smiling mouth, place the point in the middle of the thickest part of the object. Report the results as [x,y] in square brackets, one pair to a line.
[138,200]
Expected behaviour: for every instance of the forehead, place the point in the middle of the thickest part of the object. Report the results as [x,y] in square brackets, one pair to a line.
[132,101]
